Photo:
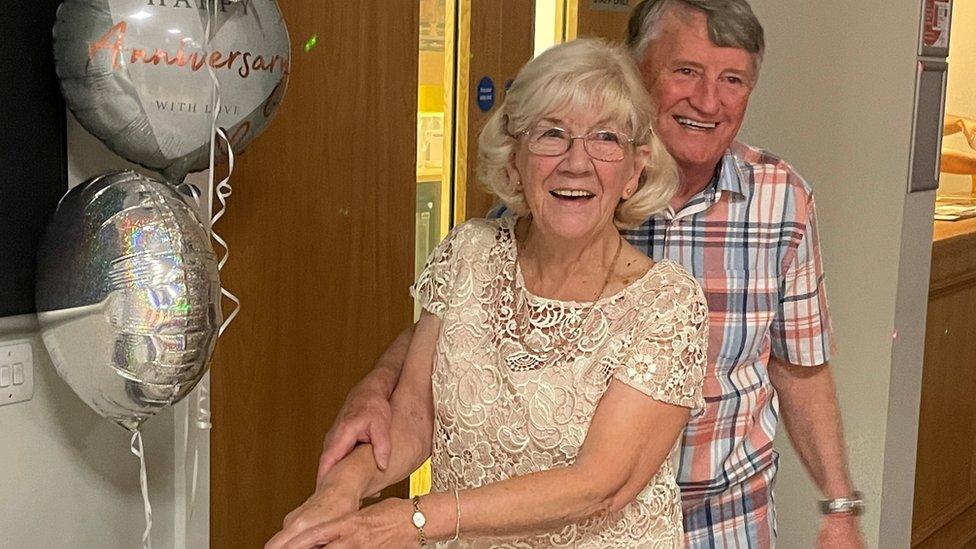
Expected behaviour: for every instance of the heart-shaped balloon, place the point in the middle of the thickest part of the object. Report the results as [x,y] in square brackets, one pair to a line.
[136,74]
[128,295]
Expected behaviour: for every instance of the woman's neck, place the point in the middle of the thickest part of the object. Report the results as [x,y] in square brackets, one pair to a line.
[566,268]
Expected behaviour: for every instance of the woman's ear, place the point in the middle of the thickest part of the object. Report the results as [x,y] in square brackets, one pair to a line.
[514,178]
[642,154]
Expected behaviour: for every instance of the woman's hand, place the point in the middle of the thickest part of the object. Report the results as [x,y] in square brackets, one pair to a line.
[386,524]
[328,503]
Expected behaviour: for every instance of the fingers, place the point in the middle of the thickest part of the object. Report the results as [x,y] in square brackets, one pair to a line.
[379,435]
[338,444]
[318,535]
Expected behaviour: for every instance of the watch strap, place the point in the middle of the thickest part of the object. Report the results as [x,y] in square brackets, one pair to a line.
[419,520]
[850,505]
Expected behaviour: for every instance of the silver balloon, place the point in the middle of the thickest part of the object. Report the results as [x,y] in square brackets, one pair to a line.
[128,295]
[135,74]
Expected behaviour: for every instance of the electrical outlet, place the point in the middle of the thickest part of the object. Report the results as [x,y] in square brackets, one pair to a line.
[16,372]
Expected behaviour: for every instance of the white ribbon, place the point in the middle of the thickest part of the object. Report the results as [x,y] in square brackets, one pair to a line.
[135,446]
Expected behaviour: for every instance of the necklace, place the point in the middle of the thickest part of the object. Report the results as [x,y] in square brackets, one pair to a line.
[525,356]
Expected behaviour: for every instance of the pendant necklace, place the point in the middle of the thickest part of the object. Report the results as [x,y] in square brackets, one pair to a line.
[527,357]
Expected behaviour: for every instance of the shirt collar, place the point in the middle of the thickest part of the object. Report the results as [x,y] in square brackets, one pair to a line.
[729,176]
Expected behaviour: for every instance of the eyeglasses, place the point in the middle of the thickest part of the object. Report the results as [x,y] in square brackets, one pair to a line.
[604,145]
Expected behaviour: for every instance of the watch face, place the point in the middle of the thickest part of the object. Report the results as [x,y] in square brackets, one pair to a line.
[419,520]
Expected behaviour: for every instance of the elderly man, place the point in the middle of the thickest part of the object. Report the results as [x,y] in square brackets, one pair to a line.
[744,223]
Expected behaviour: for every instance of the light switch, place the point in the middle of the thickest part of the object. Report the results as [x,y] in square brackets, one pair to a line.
[16,371]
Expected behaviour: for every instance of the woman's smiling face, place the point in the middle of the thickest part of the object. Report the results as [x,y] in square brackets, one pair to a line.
[574,195]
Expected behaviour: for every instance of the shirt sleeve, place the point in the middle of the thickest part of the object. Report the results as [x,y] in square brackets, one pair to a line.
[668,350]
[433,287]
[800,331]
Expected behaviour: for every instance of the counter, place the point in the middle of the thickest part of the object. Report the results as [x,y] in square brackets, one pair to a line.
[945,474]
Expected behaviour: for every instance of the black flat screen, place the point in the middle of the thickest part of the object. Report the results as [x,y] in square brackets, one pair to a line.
[33,162]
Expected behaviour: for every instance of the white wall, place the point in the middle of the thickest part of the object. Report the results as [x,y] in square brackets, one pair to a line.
[835,99]
[961,92]
[69,478]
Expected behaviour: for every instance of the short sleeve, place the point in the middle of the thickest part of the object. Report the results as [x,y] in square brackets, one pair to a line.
[450,272]
[432,290]
[668,352]
[800,332]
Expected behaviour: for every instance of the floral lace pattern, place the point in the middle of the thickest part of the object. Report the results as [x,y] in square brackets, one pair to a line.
[504,409]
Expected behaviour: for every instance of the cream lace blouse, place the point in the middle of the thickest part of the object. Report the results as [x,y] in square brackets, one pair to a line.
[504,409]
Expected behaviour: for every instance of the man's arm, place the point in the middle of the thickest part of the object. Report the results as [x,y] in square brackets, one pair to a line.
[808,406]
[365,415]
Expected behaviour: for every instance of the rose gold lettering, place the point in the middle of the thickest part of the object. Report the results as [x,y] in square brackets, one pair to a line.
[245,70]
[215,60]
[231,57]
[197,61]
[106,42]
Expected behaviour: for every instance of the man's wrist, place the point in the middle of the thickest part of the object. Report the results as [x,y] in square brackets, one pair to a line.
[851,504]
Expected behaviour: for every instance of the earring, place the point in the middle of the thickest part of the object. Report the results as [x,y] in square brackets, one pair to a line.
[518,184]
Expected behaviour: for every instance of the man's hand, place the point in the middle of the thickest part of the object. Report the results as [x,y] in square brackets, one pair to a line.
[840,532]
[364,417]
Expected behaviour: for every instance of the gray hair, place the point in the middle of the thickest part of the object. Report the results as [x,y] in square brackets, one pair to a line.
[586,74]
[731,23]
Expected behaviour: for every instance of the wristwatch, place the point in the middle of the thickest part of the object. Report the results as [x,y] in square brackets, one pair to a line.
[419,521]
[850,505]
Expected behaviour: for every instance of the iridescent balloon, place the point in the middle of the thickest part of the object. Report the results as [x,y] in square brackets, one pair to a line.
[136,74]
[128,295]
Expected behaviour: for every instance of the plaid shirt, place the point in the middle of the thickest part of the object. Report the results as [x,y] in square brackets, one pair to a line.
[750,239]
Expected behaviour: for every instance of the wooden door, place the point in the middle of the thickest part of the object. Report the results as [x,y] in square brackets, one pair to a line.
[598,18]
[321,232]
[495,41]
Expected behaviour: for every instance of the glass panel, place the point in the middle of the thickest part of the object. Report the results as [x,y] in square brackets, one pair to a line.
[549,24]
[434,100]
[435,165]
[956,198]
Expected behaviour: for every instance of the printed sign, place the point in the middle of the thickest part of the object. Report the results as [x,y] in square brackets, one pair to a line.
[611,5]
[486,94]
[935,23]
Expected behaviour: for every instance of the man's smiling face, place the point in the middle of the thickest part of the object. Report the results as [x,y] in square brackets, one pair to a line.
[701,90]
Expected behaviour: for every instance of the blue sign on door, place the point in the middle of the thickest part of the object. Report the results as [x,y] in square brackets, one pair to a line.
[486,94]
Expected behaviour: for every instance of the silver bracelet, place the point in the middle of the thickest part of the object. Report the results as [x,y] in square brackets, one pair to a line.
[850,505]
[457,523]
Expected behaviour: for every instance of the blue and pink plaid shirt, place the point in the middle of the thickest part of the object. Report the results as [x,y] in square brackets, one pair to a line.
[750,239]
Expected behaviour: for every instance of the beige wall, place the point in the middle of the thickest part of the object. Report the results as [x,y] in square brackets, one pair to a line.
[70,480]
[835,99]
[961,92]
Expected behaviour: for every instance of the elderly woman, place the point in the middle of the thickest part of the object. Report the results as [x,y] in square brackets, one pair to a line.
[554,365]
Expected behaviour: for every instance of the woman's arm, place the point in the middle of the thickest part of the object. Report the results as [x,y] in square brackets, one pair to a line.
[630,436]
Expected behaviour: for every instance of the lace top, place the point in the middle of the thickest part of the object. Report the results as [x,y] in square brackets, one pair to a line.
[503,409]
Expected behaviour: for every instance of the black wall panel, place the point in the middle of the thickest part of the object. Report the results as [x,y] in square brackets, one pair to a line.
[33,160]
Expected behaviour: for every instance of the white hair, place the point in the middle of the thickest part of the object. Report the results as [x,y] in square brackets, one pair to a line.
[586,74]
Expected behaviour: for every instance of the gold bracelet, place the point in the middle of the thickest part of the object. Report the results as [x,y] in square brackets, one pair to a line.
[419,521]
[457,523]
